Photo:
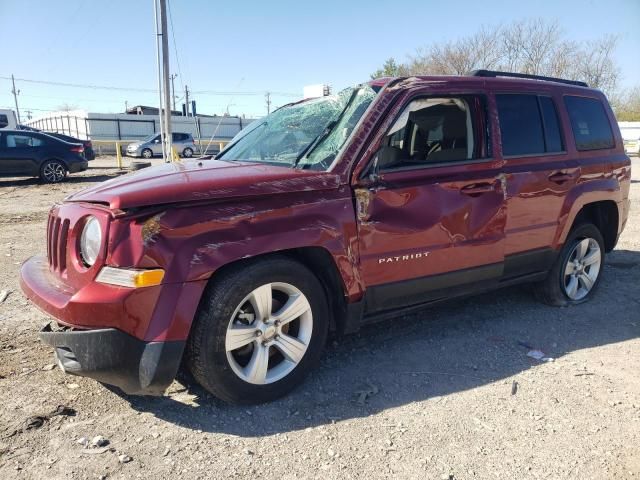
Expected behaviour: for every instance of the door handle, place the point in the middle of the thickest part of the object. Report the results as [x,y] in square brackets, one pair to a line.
[561,177]
[477,188]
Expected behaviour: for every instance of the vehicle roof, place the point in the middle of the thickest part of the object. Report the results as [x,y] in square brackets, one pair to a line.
[479,81]
[39,134]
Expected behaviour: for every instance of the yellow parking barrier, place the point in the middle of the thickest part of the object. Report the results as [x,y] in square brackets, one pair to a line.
[119,155]
[175,157]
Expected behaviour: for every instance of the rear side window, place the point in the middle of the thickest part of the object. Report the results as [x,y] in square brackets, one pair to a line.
[528,125]
[589,122]
[520,125]
[22,141]
[4,121]
[552,137]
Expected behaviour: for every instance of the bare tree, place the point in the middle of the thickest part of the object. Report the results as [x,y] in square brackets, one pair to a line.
[532,46]
[626,105]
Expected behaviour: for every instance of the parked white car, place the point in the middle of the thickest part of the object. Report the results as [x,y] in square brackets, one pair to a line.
[151,146]
[8,119]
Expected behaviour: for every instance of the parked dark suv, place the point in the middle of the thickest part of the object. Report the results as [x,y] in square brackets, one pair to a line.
[328,214]
[33,154]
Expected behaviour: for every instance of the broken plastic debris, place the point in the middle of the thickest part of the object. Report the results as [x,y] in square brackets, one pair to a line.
[537,354]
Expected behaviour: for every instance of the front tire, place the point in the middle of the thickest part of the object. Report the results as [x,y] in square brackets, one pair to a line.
[577,271]
[259,330]
[53,171]
[147,153]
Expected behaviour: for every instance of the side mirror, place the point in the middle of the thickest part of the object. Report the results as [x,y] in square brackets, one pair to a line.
[156,141]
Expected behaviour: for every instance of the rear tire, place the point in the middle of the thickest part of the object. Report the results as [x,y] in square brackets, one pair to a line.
[577,271]
[259,330]
[187,152]
[53,171]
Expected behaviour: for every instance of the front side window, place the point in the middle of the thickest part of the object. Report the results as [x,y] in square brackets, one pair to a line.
[307,134]
[22,141]
[430,131]
[589,122]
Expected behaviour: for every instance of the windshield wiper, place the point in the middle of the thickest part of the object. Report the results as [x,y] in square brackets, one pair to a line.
[327,130]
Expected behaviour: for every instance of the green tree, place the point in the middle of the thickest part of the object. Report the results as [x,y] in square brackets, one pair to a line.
[389,69]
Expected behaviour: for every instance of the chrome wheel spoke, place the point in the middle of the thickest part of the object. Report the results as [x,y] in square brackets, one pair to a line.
[572,286]
[292,348]
[239,335]
[592,257]
[582,248]
[569,269]
[586,281]
[256,369]
[295,307]
[261,300]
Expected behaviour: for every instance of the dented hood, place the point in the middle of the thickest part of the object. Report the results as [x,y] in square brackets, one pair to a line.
[195,180]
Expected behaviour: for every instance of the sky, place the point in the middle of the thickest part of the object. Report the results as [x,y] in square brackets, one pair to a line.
[230,53]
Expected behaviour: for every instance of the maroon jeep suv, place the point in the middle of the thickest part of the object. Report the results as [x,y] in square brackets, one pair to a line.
[325,215]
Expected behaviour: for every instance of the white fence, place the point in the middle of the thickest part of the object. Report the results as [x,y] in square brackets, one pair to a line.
[114,127]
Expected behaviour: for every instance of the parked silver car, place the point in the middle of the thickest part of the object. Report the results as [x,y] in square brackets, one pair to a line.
[152,146]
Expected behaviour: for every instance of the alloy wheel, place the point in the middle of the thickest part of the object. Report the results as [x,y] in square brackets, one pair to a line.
[582,268]
[269,333]
[53,172]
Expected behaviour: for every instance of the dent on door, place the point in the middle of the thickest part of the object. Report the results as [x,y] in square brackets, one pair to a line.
[428,229]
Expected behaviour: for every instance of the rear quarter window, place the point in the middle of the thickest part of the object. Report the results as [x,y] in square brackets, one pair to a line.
[589,123]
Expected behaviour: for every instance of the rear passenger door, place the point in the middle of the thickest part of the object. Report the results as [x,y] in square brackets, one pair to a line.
[539,174]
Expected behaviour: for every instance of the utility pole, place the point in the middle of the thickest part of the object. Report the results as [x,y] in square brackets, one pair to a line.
[186,99]
[15,97]
[126,106]
[29,115]
[173,90]
[159,65]
[165,72]
[267,97]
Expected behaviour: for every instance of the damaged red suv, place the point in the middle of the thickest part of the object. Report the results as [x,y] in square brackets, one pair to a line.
[326,215]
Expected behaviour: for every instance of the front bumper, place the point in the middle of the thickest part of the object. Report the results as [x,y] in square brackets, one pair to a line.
[115,358]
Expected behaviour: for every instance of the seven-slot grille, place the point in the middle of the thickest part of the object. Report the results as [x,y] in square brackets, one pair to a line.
[57,233]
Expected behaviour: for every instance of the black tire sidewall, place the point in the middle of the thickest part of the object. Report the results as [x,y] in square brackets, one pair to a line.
[142,154]
[222,302]
[578,234]
[184,152]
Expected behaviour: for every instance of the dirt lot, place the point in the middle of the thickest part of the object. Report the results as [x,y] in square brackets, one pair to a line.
[425,396]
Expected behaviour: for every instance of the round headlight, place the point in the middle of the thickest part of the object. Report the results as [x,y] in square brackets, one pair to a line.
[90,241]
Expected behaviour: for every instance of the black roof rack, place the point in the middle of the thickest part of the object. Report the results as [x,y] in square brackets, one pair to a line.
[492,73]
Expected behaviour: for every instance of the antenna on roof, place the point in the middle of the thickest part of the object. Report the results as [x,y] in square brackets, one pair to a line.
[493,73]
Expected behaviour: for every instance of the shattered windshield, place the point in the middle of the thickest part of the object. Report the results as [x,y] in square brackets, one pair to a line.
[308,134]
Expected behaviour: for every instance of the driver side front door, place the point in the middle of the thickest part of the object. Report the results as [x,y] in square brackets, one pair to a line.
[431,223]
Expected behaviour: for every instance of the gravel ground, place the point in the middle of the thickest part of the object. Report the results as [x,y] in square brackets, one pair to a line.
[448,393]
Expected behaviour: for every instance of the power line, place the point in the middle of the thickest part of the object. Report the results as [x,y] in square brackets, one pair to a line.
[78,85]
[146,90]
